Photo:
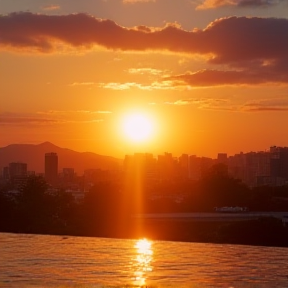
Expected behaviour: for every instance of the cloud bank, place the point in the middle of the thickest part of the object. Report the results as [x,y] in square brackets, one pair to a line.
[253,49]
[228,39]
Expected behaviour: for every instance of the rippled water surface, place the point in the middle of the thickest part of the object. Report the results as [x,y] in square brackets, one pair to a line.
[57,261]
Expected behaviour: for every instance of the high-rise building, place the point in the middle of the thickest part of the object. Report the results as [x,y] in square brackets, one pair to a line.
[51,168]
[17,169]
[5,173]
[279,162]
[253,168]
[222,158]
[184,165]
[68,174]
[17,173]
[166,167]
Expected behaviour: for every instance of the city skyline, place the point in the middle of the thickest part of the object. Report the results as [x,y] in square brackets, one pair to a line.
[205,155]
[254,168]
[118,77]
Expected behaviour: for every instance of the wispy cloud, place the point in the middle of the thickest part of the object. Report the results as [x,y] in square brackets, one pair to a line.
[276,104]
[143,71]
[82,84]
[225,104]
[119,86]
[205,103]
[156,85]
[51,7]
[73,112]
[136,1]
[98,112]
[211,4]
[26,120]
[249,75]
[51,117]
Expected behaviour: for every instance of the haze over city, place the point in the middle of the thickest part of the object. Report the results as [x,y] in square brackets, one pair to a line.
[118,77]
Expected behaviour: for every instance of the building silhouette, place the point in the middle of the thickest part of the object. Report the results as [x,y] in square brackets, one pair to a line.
[17,169]
[51,168]
[16,173]
[279,164]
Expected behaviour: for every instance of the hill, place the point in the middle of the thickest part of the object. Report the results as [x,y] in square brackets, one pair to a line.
[34,156]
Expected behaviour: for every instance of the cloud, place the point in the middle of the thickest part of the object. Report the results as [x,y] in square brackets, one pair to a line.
[104,112]
[222,104]
[210,4]
[25,120]
[258,3]
[254,50]
[156,85]
[82,84]
[8,118]
[51,7]
[143,71]
[119,86]
[205,103]
[136,1]
[247,76]
[276,104]
[51,117]
[180,102]
[73,112]
[229,39]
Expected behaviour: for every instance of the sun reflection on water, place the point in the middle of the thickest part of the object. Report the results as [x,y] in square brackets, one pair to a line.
[142,261]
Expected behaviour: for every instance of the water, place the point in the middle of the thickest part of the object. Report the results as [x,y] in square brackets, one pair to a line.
[57,261]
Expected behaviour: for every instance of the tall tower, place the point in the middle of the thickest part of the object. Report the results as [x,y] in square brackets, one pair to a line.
[51,168]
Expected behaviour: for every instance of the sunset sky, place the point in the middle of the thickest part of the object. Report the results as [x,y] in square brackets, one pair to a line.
[209,75]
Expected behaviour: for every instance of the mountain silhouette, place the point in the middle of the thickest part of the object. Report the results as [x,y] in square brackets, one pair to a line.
[34,156]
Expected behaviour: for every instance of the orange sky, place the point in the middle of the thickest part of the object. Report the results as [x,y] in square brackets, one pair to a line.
[212,75]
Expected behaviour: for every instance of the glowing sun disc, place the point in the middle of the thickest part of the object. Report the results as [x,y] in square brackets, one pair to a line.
[137,127]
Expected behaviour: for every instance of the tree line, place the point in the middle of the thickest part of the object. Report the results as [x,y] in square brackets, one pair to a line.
[107,208]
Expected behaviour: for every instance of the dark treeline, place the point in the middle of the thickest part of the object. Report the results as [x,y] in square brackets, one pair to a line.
[107,208]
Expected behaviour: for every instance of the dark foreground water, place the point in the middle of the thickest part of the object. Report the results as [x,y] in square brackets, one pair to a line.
[57,261]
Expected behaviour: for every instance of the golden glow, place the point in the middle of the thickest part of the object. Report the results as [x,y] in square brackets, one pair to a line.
[138,127]
[143,261]
[144,247]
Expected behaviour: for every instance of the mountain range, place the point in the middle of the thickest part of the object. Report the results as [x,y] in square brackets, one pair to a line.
[34,156]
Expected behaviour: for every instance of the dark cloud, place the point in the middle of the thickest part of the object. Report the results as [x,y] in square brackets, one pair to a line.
[211,4]
[258,3]
[206,78]
[229,39]
[254,49]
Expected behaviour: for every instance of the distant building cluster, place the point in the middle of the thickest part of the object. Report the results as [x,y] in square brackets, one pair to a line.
[15,176]
[253,168]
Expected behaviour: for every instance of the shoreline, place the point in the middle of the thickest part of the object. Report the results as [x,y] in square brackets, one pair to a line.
[268,232]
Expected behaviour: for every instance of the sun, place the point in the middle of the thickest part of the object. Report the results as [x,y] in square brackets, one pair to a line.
[137,127]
